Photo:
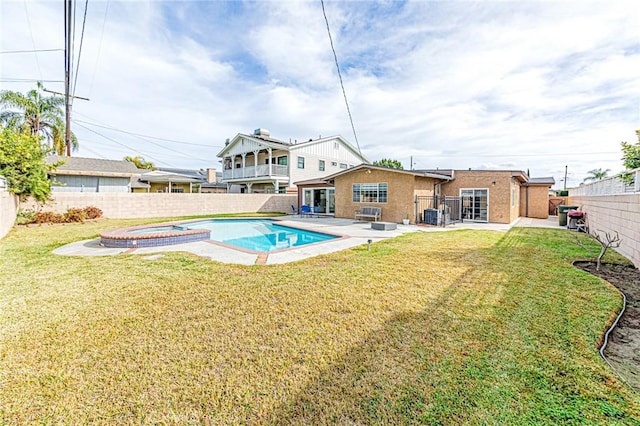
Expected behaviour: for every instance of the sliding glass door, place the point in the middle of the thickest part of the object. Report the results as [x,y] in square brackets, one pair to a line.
[323,200]
[475,204]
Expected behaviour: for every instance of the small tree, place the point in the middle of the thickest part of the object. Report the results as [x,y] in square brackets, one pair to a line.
[606,241]
[388,162]
[630,158]
[22,164]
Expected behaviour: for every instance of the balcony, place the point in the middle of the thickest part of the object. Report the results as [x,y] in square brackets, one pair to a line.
[262,170]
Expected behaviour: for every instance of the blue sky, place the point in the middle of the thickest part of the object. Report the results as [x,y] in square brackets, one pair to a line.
[512,85]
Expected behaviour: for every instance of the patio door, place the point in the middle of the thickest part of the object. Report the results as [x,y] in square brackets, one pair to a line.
[475,204]
[323,200]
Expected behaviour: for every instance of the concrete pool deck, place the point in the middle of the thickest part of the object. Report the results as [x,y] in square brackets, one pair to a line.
[354,234]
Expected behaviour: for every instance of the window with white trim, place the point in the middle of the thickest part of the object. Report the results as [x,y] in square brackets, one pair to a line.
[369,192]
[301,162]
[321,165]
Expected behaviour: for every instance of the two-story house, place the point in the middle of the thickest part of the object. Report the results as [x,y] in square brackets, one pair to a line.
[260,163]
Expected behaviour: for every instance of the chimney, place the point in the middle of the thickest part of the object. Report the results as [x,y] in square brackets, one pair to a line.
[211,175]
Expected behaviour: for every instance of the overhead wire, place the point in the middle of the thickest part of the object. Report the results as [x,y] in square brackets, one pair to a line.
[84,20]
[33,42]
[344,93]
[123,145]
[95,67]
[142,137]
[30,51]
[145,136]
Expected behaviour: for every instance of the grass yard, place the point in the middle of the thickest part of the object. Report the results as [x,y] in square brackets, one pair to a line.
[472,327]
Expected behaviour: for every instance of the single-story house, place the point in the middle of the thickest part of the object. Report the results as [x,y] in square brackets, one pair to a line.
[180,181]
[499,196]
[78,174]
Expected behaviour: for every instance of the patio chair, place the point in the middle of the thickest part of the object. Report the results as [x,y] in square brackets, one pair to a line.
[305,210]
[293,209]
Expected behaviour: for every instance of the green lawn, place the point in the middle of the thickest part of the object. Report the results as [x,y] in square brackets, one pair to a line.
[471,327]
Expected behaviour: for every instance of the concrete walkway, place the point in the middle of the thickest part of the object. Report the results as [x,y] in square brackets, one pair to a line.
[352,234]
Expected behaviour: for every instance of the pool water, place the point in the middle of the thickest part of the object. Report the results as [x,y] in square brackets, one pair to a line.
[258,234]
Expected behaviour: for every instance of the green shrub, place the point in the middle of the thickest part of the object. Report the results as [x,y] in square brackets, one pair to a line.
[25,217]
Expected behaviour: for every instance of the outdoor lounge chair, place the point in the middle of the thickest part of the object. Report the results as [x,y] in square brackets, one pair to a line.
[305,210]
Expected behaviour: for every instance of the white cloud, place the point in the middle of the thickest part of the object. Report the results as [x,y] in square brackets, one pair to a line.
[507,84]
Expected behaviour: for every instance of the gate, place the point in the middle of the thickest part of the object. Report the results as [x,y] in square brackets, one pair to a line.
[438,210]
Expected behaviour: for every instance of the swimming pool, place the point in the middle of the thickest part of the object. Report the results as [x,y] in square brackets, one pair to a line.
[257,235]
[260,235]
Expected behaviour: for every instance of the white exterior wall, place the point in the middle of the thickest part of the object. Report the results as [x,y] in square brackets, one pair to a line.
[8,210]
[325,150]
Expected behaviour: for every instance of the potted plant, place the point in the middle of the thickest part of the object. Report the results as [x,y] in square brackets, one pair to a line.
[405,221]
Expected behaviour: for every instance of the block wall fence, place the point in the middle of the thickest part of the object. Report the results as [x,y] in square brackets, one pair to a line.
[129,205]
[614,213]
[8,210]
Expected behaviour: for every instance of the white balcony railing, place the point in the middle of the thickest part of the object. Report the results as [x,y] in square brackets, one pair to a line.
[609,186]
[253,171]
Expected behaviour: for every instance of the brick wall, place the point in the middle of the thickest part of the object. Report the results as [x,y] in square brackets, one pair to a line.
[499,184]
[402,187]
[8,210]
[129,205]
[538,200]
[614,213]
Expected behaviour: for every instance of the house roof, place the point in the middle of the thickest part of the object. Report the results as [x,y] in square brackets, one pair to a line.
[268,141]
[388,169]
[92,166]
[550,181]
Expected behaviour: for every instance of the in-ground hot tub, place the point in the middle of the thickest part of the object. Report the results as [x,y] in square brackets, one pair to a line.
[152,236]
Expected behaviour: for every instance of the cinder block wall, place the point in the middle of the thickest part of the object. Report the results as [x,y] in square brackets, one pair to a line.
[614,213]
[8,210]
[129,205]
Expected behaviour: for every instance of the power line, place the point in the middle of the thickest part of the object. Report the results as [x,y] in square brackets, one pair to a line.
[145,136]
[123,145]
[33,42]
[95,67]
[30,51]
[84,20]
[28,80]
[180,153]
[344,93]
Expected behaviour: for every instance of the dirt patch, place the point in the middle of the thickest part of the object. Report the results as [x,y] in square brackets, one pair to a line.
[623,348]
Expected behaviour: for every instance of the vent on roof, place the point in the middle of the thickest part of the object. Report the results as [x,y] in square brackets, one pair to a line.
[261,132]
[226,142]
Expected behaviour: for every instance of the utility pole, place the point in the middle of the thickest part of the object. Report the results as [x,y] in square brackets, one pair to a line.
[67,72]
[565,177]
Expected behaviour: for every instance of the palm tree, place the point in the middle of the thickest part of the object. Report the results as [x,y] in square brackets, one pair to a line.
[37,114]
[596,174]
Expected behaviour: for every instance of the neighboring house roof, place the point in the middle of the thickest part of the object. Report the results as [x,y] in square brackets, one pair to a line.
[92,167]
[181,176]
[388,169]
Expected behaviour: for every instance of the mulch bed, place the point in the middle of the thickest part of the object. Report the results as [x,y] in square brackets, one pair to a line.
[623,348]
